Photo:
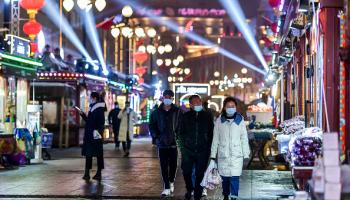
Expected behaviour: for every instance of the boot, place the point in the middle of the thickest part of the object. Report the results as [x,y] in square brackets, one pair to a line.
[126,154]
[98,175]
[86,175]
[226,197]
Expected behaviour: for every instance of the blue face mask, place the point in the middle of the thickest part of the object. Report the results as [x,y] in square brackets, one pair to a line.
[198,108]
[230,111]
[167,102]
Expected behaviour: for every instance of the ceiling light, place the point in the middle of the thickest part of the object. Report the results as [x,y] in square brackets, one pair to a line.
[159,62]
[161,49]
[187,71]
[115,32]
[167,62]
[68,5]
[100,5]
[168,48]
[151,32]
[180,58]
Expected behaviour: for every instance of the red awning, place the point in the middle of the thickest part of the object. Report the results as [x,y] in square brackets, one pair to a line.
[106,24]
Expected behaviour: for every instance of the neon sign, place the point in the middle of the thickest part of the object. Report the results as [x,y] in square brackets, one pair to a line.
[185,12]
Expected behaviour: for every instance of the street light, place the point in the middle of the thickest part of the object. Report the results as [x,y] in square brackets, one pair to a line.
[244,71]
[187,71]
[127,11]
[180,58]
[140,32]
[167,62]
[142,49]
[216,74]
[127,31]
[168,48]
[151,32]
[84,4]
[161,49]
[176,62]
[115,32]
[159,62]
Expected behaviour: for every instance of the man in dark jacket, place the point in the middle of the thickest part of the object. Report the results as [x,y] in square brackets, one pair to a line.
[163,126]
[114,121]
[92,142]
[195,137]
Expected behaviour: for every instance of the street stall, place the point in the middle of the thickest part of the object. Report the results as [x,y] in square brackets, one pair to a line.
[17,70]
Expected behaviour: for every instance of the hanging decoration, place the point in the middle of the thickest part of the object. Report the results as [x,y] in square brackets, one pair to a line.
[274,3]
[32,28]
[32,7]
[140,57]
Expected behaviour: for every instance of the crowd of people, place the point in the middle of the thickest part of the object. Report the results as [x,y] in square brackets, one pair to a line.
[203,139]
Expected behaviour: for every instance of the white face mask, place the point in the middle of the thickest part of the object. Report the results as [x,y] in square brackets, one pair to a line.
[167,102]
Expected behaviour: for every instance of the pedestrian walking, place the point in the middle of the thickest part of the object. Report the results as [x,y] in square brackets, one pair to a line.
[114,121]
[92,142]
[195,137]
[230,146]
[163,126]
[128,118]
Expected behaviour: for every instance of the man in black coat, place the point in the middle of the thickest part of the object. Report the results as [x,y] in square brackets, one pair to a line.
[92,142]
[163,126]
[195,137]
[114,121]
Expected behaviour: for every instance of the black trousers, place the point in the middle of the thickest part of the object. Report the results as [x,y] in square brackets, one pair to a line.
[168,165]
[127,144]
[100,162]
[198,161]
[116,136]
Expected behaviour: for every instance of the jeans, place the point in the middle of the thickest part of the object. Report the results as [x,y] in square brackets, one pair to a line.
[88,162]
[168,165]
[196,163]
[230,185]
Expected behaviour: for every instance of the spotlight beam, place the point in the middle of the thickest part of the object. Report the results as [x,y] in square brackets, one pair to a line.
[94,38]
[237,16]
[51,10]
[175,27]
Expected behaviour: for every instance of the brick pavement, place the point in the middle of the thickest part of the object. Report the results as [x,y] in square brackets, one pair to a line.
[137,177]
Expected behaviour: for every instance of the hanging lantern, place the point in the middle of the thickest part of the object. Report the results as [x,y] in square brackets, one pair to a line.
[32,28]
[33,47]
[274,27]
[140,57]
[32,6]
[140,71]
[274,3]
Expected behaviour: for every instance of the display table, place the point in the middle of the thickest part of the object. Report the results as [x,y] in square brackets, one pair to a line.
[301,175]
[257,141]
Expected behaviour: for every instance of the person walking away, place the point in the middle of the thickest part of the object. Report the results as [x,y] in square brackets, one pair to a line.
[126,130]
[230,146]
[92,142]
[164,124]
[195,137]
[114,121]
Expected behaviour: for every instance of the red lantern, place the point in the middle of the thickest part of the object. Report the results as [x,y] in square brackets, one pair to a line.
[32,28]
[33,47]
[32,6]
[140,57]
[274,3]
[140,71]
[141,80]
[274,27]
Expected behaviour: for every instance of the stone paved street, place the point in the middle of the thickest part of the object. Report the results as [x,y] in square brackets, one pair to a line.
[137,177]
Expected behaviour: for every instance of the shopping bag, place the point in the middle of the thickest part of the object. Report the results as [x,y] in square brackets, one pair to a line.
[212,178]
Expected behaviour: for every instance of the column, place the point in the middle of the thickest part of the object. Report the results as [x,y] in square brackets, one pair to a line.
[331,27]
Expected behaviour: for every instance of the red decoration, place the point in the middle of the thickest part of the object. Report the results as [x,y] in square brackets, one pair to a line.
[274,27]
[274,3]
[140,71]
[33,47]
[32,4]
[141,80]
[140,57]
[32,28]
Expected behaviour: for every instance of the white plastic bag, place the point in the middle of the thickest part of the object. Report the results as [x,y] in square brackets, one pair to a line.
[212,178]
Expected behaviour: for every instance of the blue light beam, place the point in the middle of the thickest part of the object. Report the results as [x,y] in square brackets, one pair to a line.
[52,11]
[90,25]
[175,27]
[236,14]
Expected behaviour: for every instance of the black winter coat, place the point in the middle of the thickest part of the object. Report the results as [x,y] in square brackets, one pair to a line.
[164,125]
[113,118]
[196,132]
[95,120]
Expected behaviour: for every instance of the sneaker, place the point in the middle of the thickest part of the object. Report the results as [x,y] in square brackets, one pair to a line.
[204,193]
[97,177]
[166,192]
[172,187]
[126,155]
[188,196]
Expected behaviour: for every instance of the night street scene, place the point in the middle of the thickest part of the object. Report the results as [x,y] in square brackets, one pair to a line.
[175,99]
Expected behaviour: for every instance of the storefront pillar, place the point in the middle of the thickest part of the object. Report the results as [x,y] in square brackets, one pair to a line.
[331,30]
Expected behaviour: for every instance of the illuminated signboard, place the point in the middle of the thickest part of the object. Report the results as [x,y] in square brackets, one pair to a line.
[184,12]
[18,46]
[185,90]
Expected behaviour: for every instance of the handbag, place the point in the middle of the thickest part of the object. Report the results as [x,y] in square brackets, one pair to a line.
[212,178]
[97,135]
